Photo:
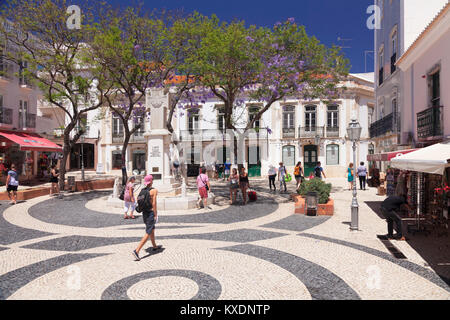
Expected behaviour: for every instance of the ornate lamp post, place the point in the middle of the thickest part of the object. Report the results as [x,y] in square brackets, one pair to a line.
[82,156]
[354,133]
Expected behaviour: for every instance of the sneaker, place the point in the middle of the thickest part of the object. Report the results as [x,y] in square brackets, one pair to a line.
[136,256]
[158,247]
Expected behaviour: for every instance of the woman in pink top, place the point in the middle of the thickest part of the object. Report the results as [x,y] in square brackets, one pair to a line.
[203,187]
[128,197]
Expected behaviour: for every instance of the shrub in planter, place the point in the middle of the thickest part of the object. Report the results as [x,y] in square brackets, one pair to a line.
[316,185]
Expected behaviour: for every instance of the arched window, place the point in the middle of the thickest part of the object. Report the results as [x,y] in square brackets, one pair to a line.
[289,156]
[332,154]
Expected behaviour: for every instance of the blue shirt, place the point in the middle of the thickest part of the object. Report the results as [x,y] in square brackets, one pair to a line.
[14,178]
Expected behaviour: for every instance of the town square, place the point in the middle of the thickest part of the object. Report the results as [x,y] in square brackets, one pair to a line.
[168,153]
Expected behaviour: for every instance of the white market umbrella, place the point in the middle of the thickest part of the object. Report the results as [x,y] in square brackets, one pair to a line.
[433,159]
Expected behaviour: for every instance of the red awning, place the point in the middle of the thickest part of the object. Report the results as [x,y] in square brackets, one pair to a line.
[388,156]
[30,141]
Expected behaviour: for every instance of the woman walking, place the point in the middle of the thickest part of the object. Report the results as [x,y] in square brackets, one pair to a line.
[272,175]
[244,184]
[54,175]
[12,182]
[350,176]
[234,185]
[298,173]
[130,201]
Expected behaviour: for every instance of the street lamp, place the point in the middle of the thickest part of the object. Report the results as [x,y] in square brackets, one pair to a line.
[82,157]
[354,133]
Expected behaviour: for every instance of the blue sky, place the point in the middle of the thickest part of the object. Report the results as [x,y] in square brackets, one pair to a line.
[326,19]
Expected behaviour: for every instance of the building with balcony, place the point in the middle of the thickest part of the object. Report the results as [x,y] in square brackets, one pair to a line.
[19,140]
[290,131]
[51,121]
[312,131]
[401,22]
[425,112]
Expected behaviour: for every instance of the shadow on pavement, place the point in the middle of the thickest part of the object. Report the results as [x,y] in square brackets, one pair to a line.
[433,248]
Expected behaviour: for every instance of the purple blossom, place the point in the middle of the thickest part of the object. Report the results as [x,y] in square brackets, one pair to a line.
[291,20]
[250,39]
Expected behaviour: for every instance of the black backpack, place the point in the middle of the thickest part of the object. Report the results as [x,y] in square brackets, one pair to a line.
[318,172]
[144,201]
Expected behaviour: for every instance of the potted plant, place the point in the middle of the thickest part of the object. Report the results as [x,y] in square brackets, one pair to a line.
[323,190]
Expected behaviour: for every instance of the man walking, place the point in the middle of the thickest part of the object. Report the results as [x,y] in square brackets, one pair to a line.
[362,173]
[12,183]
[147,205]
[389,208]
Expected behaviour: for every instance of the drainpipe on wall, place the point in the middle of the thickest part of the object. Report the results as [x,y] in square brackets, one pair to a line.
[412,107]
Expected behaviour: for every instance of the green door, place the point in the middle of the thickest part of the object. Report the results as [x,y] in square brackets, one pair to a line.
[310,159]
[254,163]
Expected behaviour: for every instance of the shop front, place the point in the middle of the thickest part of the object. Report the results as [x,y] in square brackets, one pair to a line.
[29,152]
[425,177]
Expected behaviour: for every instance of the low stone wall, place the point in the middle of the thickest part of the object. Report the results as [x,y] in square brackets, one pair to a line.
[31,193]
[322,210]
[94,185]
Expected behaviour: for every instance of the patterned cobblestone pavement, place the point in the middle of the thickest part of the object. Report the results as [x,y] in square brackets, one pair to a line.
[78,248]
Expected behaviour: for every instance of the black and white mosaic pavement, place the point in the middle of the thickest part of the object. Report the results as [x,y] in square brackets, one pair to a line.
[258,251]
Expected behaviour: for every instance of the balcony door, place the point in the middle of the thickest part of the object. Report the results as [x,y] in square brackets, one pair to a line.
[310,118]
[193,120]
[23,112]
[288,122]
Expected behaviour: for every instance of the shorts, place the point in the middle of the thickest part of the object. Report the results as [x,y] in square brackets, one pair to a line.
[149,220]
[54,180]
[298,178]
[11,188]
[203,193]
[129,205]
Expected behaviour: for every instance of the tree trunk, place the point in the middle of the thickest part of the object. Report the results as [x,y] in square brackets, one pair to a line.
[63,162]
[124,152]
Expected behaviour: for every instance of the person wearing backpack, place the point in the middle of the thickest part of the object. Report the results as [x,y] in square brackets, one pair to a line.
[147,205]
[298,173]
[318,171]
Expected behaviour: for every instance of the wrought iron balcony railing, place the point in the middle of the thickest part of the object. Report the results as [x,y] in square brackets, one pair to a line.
[117,137]
[311,132]
[220,135]
[430,123]
[332,132]
[137,137]
[288,132]
[6,115]
[390,123]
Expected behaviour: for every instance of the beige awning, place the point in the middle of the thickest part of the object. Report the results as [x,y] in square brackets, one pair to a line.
[433,159]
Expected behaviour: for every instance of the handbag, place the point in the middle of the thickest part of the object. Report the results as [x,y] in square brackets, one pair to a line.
[206,186]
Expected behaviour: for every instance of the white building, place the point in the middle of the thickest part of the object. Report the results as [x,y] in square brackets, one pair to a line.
[290,131]
[401,22]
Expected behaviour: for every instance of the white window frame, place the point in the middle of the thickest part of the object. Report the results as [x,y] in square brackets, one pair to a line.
[23,112]
[328,148]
